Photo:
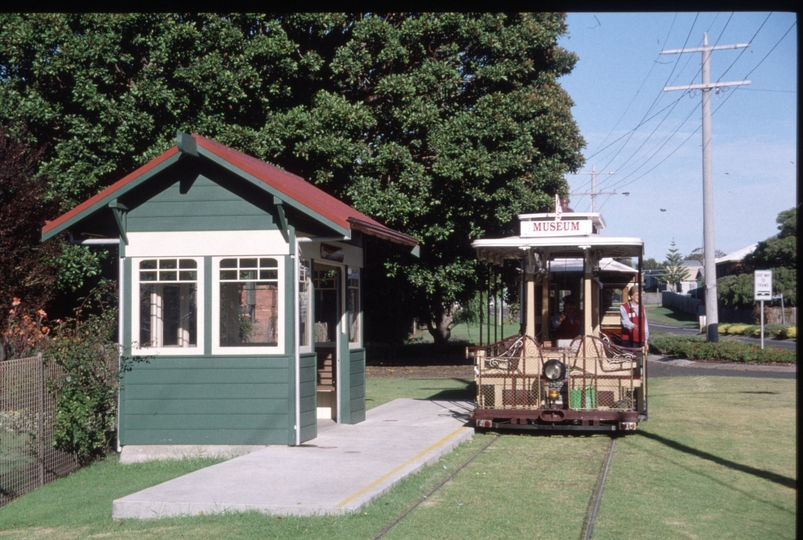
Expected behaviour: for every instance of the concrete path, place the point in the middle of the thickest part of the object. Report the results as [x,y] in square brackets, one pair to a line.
[338,472]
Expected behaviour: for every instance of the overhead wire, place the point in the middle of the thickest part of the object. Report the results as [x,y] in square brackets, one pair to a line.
[619,180]
[622,181]
[718,107]
[658,97]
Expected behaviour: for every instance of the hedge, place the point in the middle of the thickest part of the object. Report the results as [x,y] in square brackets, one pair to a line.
[696,348]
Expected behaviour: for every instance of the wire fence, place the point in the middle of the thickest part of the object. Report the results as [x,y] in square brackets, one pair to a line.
[27,413]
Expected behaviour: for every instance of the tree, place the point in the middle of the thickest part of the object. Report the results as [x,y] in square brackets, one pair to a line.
[444,126]
[651,264]
[777,253]
[27,271]
[674,271]
[698,254]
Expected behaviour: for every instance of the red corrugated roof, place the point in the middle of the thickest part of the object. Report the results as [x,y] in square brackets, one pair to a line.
[87,204]
[292,186]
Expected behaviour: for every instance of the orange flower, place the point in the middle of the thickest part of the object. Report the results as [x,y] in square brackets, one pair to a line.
[42,313]
[16,302]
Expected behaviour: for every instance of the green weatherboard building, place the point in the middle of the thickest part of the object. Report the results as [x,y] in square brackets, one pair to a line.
[241,284]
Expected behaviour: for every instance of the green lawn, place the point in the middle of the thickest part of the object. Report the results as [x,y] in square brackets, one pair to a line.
[715,460]
[662,315]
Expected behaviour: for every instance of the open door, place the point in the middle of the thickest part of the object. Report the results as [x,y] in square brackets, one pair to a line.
[328,311]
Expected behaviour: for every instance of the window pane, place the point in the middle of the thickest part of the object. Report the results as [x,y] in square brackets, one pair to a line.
[147,276]
[168,275]
[268,263]
[228,263]
[248,263]
[249,314]
[228,274]
[167,263]
[268,274]
[304,312]
[187,263]
[168,315]
[188,275]
[353,302]
[150,264]
[248,275]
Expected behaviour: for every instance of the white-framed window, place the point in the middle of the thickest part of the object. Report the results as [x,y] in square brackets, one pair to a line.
[354,306]
[304,304]
[248,302]
[168,308]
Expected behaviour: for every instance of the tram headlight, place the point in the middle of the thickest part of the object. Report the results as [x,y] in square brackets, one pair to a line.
[554,370]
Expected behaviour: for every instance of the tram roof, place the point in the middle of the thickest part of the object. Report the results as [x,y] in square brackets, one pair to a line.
[513,247]
[606,264]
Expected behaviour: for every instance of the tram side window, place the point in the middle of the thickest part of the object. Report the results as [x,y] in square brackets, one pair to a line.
[304,306]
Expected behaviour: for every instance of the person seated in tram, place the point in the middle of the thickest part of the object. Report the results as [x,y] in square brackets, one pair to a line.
[568,323]
[635,330]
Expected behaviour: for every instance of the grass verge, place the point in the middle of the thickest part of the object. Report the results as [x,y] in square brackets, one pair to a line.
[663,315]
[699,468]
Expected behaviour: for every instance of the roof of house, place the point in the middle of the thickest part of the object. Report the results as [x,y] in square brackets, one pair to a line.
[737,255]
[287,187]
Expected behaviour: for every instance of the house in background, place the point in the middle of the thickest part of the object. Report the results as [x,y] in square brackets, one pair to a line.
[241,284]
[694,276]
[727,264]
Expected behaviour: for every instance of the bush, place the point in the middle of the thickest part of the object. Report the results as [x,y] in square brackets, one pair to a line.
[86,398]
[738,329]
[724,328]
[696,348]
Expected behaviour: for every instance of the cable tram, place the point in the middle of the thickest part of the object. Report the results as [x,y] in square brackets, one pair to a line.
[551,376]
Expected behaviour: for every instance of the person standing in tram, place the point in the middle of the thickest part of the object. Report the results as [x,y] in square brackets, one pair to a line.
[567,323]
[635,330]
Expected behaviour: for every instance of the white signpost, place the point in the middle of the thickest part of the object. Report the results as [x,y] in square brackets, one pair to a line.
[762,291]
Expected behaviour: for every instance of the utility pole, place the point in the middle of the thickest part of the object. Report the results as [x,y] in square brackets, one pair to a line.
[594,191]
[710,269]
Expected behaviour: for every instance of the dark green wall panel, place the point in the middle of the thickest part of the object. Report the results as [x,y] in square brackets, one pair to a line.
[204,436]
[206,406]
[256,422]
[207,376]
[205,205]
[205,391]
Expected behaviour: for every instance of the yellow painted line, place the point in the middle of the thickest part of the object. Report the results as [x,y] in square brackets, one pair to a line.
[397,469]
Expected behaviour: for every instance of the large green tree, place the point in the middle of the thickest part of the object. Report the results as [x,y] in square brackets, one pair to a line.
[444,126]
[777,253]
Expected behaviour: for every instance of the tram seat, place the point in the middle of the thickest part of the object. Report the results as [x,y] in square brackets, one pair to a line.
[593,355]
[509,354]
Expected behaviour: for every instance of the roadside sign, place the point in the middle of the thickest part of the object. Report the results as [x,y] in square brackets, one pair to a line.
[763,285]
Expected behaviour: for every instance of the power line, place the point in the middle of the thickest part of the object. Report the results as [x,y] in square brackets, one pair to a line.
[658,97]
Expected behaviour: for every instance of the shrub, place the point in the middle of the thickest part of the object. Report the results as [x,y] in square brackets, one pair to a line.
[696,348]
[738,329]
[86,398]
[724,328]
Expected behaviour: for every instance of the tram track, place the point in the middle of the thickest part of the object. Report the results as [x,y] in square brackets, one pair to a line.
[596,496]
[593,505]
[436,488]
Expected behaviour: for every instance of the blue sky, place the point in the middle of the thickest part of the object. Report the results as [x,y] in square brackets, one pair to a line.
[635,129]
